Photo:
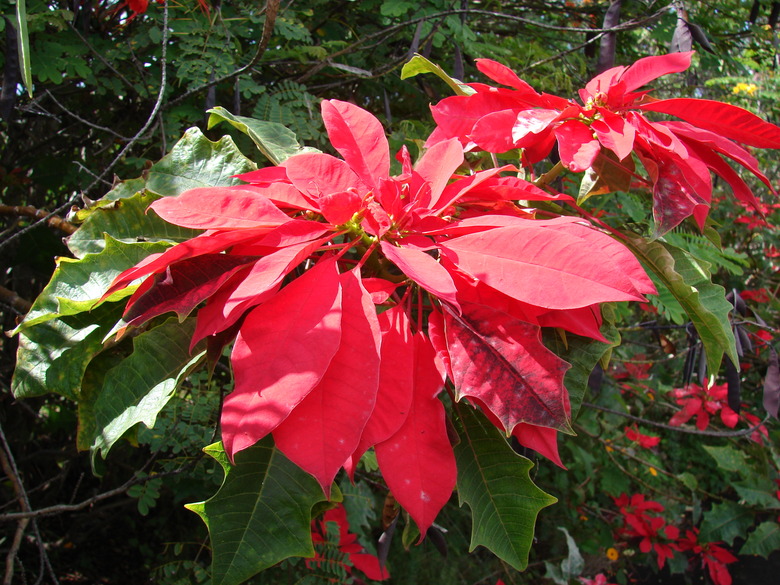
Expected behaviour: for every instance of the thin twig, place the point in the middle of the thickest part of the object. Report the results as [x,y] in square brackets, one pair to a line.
[82,120]
[740,433]
[271,9]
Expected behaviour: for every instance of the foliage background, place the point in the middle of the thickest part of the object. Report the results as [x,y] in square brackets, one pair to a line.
[99,73]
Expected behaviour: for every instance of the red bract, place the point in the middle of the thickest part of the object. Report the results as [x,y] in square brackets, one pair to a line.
[712,556]
[645,441]
[701,402]
[353,294]
[653,532]
[611,123]
[354,555]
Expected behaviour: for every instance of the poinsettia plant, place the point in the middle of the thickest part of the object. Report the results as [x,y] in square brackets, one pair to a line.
[416,312]
[354,296]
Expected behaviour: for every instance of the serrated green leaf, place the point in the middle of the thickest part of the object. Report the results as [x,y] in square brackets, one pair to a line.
[494,481]
[763,541]
[127,221]
[76,285]
[727,458]
[137,389]
[757,492]
[261,515]
[195,161]
[53,355]
[275,141]
[690,283]
[725,521]
[419,64]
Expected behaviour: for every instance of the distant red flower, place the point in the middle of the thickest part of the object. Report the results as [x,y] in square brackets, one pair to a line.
[600,579]
[354,555]
[652,531]
[760,295]
[701,402]
[713,556]
[645,441]
[677,155]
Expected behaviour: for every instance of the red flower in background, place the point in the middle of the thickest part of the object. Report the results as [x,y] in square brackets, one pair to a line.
[653,532]
[713,556]
[354,555]
[611,122]
[702,402]
[645,441]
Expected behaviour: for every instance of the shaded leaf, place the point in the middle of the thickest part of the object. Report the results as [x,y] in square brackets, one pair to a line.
[138,388]
[725,521]
[727,458]
[274,140]
[494,481]
[763,541]
[704,302]
[53,355]
[261,514]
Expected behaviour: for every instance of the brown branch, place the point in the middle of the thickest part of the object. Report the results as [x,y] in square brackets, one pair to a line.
[10,558]
[30,211]
[17,303]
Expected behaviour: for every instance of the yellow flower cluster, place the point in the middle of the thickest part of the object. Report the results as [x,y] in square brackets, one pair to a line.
[748,88]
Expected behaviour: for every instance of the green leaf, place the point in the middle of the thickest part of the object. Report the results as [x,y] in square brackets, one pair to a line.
[53,355]
[127,221]
[76,285]
[24,44]
[758,492]
[583,354]
[494,481]
[419,64]
[763,541]
[195,161]
[138,388]
[725,521]
[261,515]
[122,190]
[691,284]
[275,141]
[570,567]
[728,458]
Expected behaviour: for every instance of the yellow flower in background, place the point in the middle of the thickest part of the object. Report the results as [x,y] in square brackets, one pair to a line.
[652,471]
[748,88]
[612,554]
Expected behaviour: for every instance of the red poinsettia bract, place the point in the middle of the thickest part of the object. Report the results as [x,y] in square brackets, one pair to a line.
[610,125]
[713,556]
[354,555]
[653,532]
[353,295]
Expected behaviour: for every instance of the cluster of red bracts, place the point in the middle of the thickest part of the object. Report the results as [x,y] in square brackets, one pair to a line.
[355,297]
